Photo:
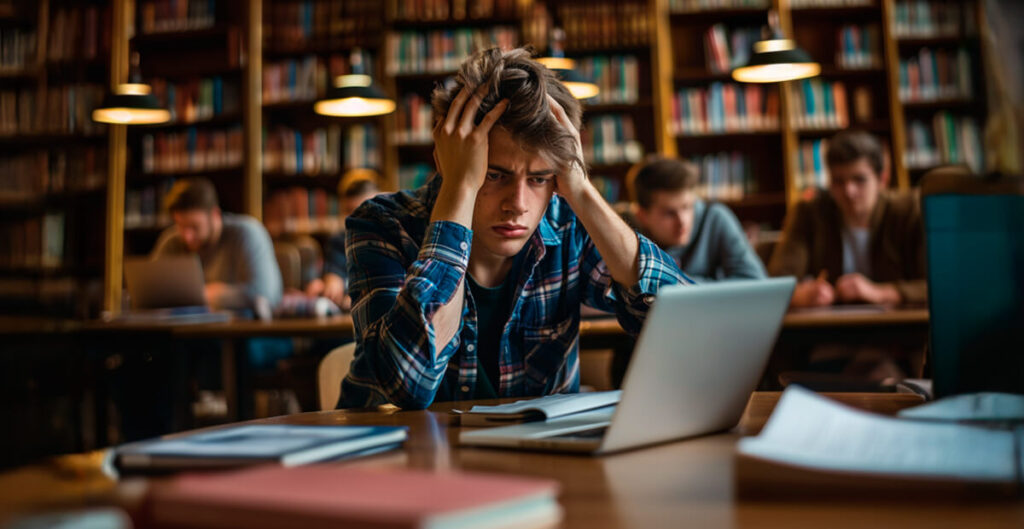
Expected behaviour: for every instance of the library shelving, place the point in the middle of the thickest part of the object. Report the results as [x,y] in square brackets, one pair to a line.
[53,158]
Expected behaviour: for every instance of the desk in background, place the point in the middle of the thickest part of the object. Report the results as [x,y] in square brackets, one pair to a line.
[684,483]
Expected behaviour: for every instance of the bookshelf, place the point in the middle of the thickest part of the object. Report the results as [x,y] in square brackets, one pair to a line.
[53,158]
[307,44]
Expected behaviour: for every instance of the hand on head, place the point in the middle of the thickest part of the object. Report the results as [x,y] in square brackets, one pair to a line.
[573,176]
[460,146]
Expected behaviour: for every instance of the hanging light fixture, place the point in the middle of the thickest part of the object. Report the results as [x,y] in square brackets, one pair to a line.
[355,94]
[776,59]
[131,103]
[565,68]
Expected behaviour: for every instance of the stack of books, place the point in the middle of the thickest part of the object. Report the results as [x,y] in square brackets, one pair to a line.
[819,104]
[725,108]
[192,150]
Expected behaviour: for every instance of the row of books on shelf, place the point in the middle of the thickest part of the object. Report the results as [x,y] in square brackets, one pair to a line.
[161,16]
[605,24]
[56,170]
[725,108]
[198,99]
[859,47]
[307,78]
[17,49]
[935,74]
[299,25]
[725,175]
[192,150]
[948,139]
[618,77]
[57,110]
[78,33]
[689,6]
[610,186]
[322,151]
[810,162]
[304,210]
[412,176]
[33,242]
[932,18]
[442,50]
[143,207]
[819,104]
[725,49]
[804,4]
[414,118]
[611,139]
[440,10]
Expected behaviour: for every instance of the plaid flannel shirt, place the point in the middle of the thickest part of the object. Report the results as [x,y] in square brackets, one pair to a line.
[403,268]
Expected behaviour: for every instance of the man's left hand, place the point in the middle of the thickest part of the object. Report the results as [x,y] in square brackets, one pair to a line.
[855,288]
[572,178]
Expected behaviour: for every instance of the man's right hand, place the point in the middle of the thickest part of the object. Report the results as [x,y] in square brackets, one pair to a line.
[460,153]
[813,293]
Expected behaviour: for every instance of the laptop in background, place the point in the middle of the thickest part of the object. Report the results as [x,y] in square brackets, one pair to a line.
[169,289]
[699,356]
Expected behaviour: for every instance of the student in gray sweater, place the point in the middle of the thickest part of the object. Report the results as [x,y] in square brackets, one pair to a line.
[238,258]
[705,238]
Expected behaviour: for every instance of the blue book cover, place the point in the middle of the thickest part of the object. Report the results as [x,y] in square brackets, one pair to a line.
[218,96]
[298,152]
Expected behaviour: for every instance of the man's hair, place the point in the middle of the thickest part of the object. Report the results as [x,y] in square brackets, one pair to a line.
[191,193]
[526,83]
[851,145]
[359,181]
[663,174]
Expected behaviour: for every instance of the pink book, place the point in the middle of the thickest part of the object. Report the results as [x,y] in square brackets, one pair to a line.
[328,496]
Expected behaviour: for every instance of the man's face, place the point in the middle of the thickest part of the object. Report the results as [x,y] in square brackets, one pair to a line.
[196,227]
[669,220]
[514,197]
[855,187]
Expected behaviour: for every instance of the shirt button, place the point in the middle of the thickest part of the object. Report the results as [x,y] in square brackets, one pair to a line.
[465,389]
[554,334]
[649,299]
[464,245]
[470,348]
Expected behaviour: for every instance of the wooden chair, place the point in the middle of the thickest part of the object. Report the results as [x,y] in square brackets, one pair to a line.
[332,370]
[289,260]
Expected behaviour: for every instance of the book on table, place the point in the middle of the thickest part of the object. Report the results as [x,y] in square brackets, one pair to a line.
[539,409]
[254,444]
[322,496]
[814,446]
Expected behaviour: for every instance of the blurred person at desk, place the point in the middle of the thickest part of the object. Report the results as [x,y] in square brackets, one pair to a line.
[356,187]
[858,242]
[470,287]
[238,258]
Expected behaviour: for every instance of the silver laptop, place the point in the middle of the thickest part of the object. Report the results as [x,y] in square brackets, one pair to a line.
[700,355]
[164,283]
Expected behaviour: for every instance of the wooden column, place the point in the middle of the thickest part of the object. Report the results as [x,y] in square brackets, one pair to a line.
[117,160]
[253,117]
[662,66]
[892,67]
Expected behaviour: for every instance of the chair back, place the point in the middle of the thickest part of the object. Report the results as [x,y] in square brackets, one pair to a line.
[333,368]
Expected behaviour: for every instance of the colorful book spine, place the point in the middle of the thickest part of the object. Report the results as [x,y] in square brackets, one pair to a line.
[611,139]
[440,51]
[415,121]
[804,4]
[298,25]
[936,75]
[819,104]
[604,24]
[725,176]
[932,18]
[58,110]
[305,210]
[162,16]
[17,49]
[811,170]
[858,47]
[192,150]
[79,33]
[724,108]
[691,6]
[45,171]
[412,176]
[725,49]
[948,139]
[198,100]
[309,152]
[35,242]
[143,206]
[618,77]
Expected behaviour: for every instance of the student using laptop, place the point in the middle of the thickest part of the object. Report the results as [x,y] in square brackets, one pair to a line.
[857,243]
[237,256]
[470,286]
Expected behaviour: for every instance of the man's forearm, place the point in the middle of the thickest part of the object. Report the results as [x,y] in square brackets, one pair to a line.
[614,239]
[454,204]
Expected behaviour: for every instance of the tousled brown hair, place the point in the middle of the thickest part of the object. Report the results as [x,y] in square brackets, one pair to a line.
[849,146]
[526,83]
[663,174]
[191,193]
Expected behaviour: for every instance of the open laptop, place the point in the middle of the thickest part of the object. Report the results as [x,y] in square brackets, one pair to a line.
[169,290]
[700,354]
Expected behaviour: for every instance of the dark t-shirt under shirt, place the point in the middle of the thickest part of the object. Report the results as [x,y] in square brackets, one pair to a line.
[493,306]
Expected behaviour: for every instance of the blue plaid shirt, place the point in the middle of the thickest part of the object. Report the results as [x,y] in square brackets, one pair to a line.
[403,268]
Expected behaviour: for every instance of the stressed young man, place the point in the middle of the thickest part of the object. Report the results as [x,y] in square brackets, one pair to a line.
[471,286]
[857,243]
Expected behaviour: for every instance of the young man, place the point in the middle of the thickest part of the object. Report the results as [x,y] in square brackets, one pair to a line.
[236,252]
[704,238]
[356,187]
[858,243]
[470,287]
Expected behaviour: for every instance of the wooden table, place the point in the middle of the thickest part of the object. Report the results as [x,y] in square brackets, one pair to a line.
[681,484]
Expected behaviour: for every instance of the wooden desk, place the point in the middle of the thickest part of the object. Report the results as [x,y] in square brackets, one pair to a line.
[681,484]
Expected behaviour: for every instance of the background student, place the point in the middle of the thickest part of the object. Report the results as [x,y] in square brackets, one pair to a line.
[858,242]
